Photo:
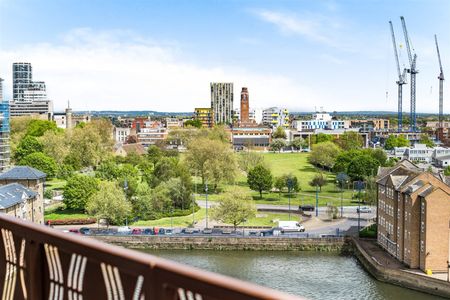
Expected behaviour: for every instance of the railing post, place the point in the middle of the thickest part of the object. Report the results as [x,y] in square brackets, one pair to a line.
[36,274]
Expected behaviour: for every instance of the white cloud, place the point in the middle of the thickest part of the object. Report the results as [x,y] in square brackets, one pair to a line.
[119,70]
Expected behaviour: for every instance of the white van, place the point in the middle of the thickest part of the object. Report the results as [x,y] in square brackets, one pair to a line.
[291,226]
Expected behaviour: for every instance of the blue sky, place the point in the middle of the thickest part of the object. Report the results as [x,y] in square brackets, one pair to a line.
[161,55]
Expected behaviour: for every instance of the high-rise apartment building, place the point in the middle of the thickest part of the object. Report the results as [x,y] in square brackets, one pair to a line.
[4,131]
[29,97]
[244,106]
[222,102]
[22,77]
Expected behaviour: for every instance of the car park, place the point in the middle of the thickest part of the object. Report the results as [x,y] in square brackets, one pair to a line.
[207,231]
[124,230]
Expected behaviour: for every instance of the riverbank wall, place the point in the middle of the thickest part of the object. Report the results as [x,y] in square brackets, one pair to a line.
[339,244]
[400,277]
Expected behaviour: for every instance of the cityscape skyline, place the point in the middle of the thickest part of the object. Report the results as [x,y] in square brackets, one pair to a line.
[281,51]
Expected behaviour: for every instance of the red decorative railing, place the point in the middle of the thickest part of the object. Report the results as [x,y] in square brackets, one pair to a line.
[37,262]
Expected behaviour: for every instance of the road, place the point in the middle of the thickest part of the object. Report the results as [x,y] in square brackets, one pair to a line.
[348,211]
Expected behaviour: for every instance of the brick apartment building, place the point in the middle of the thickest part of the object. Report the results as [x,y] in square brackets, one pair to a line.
[413,216]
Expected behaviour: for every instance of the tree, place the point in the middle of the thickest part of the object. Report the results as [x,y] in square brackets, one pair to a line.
[343,160]
[332,211]
[165,169]
[248,160]
[89,146]
[277,145]
[425,139]
[107,170]
[55,144]
[38,127]
[109,203]
[279,133]
[142,203]
[391,142]
[361,166]
[350,140]
[318,181]
[27,145]
[40,161]
[154,154]
[280,183]
[193,123]
[211,159]
[292,183]
[298,143]
[324,155]
[402,141]
[260,179]
[322,137]
[234,207]
[379,155]
[180,192]
[78,190]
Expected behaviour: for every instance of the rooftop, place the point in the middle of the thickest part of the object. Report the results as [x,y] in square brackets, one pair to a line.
[22,172]
[14,193]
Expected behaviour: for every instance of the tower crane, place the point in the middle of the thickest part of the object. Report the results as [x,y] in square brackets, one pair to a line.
[401,80]
[412,56]
[441,86]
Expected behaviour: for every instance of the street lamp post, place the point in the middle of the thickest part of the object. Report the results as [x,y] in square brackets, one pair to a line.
[359,187]
[125,188]
[317,200]
[206,198]
[289,184]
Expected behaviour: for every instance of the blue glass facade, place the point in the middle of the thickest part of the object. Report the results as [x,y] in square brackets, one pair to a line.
[4,136]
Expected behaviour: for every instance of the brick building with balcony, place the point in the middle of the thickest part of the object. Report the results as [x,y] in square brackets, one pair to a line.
[413,216]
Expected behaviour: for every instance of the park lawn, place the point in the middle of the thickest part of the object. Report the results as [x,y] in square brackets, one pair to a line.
[298,165]
[269,219]
[65,214]
[183,221]
[55,184]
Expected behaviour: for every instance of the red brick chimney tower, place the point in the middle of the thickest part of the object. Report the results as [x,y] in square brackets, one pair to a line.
[244,106]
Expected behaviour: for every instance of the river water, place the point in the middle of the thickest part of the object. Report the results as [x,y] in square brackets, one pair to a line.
[309,274]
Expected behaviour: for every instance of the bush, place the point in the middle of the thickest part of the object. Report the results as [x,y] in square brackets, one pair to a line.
[369,232]
[83,221]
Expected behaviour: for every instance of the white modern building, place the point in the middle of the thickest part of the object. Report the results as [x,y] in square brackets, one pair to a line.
[275,117]
[422,153]
[222,102]
[256,115]
[320,121]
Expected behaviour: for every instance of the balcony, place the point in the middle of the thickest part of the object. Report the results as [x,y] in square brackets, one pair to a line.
[42,263]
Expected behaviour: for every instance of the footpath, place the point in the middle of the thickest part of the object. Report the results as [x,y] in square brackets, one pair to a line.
[387,269]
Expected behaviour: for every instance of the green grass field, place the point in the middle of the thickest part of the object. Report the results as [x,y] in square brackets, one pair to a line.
[58,212]
[298,165]
[55,184]
[184,221]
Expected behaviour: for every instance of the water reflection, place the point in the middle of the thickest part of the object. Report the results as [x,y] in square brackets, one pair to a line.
[309,274]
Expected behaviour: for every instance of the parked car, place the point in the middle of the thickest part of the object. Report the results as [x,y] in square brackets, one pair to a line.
[168,231]
[85,230]
[161,231]
[276,231]
[207,231]
[136,231]
[74,231]
[291,226]
[124,230]
[148,231]
[306,207]
[364,209]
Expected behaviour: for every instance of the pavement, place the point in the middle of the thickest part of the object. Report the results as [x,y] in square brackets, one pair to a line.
[386,260]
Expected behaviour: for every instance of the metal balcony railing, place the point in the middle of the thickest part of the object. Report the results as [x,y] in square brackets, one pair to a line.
[37,262]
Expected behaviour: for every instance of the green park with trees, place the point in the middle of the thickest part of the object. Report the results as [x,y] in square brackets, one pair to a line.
[163,184]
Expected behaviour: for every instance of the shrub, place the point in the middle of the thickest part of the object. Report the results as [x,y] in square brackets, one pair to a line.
[83,221]
[369,232]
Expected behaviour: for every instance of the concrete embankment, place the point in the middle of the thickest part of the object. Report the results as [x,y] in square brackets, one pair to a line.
[229,243]
[400,277]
